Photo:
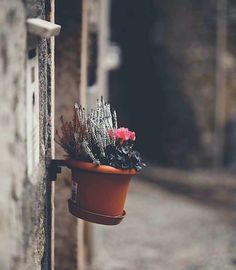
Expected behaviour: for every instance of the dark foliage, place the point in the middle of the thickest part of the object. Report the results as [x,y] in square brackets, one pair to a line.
[122,156]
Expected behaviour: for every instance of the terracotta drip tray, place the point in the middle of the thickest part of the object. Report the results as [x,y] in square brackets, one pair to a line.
[94,217]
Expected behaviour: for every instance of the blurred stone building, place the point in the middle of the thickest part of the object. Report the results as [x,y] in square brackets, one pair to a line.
[176,84]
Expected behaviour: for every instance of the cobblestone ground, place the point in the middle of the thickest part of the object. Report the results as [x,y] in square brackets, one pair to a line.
[164,231]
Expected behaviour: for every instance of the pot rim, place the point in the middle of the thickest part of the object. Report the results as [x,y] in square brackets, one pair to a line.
[88,166]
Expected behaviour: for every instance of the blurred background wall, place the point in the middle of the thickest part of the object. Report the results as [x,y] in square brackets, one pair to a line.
[175,87]
[167,85]
[67,81]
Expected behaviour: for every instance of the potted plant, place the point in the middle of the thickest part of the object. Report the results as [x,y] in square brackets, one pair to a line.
[102,160]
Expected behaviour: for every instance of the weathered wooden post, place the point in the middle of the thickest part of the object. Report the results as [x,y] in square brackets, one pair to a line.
[221,88]
[71,87]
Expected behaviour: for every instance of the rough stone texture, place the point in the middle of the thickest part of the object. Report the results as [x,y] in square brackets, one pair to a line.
[25,208]
[166,231]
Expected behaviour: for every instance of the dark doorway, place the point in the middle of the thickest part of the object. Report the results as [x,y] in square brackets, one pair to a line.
[148,86]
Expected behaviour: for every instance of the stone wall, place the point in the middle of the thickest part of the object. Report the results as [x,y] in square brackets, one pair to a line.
[25,202]
[185,58]
[169,73]
[185,39]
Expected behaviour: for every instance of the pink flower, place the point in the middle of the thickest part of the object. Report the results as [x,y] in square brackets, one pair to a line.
[132,136]
[123,134]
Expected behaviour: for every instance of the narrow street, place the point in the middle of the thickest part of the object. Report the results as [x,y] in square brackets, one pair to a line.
[165,231]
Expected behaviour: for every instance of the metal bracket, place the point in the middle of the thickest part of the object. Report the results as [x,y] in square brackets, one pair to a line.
[54,168]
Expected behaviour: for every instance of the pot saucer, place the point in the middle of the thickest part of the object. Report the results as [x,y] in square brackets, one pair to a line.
[94,217]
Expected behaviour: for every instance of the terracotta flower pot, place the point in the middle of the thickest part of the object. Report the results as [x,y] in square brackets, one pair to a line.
[98,191]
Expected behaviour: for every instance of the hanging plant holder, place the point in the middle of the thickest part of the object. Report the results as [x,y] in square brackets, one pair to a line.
[98,193]
[102,162]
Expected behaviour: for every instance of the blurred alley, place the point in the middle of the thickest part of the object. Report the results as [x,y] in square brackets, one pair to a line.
[166,231]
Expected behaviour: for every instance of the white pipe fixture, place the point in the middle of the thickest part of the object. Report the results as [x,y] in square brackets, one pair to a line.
[42,28]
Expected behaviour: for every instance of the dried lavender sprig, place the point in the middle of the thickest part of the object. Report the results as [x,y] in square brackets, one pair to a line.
[89,152]
[101,145]
[91,129]
[113,138]
[115,119]
[109,116]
